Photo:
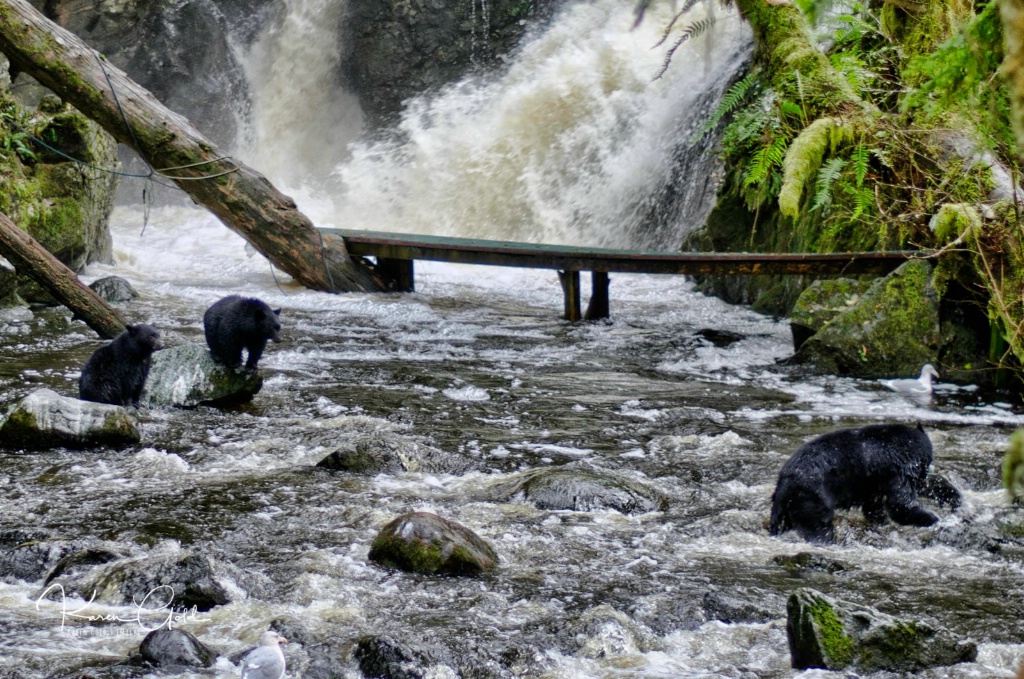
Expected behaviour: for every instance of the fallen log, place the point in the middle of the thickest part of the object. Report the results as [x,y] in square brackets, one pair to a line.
[243,199]
[32,259]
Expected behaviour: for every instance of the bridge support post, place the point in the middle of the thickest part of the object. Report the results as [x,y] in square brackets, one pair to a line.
[571,290]
[397,274]
[598,307]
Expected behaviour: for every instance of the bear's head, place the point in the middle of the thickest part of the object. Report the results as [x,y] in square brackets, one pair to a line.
[145,338]
[267,319]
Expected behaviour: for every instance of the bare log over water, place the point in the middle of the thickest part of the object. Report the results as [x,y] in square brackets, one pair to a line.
[241,198]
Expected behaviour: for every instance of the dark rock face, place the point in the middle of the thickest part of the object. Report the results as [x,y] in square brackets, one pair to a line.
[114,289]
[401,48]
[175,648]
[421,542]
[178,50]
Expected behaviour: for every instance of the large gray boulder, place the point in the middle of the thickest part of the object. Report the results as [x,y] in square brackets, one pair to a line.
[45,419]
[187,375]
[891,331]
[390,452]
[833,634]
[583,490]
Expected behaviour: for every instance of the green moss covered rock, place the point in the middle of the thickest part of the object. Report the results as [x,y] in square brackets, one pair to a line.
[820,302]
[834,634]
[421,542]
[187,375]
[890,332]
[45,419]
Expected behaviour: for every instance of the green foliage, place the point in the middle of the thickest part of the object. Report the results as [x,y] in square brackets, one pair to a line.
[734,97]
[827,176]
[18,143]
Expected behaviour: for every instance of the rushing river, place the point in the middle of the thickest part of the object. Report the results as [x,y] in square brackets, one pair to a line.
[677,390]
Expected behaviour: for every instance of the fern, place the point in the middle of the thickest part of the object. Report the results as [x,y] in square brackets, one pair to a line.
[827,175]
[863,202]
[692,31]
[687,6]
[734,96]
[766,159]
[860,159]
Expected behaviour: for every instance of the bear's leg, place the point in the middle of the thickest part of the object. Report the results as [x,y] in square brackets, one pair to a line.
[874,510]
[255,353]
[903,508]
[812,516]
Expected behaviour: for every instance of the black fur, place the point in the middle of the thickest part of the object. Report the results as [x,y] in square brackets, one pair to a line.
[235,323]
[116,372]
[879,468]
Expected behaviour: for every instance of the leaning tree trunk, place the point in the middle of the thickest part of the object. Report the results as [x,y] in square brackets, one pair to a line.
[240,197]
[31,259]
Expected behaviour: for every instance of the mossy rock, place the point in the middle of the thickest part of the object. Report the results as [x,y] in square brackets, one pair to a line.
[584,490]
[421,542]
[833,634]
[891,332]
[45,419]
[187,375]
[820,302]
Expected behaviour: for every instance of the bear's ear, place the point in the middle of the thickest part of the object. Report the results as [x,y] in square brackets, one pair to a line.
[133,330]
[277,312]
[919,427]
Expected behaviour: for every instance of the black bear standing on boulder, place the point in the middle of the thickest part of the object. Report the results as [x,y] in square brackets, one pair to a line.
[235,323]
[116,372]
[879,468]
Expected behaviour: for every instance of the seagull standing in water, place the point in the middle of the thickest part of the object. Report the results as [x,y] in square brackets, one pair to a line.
[266,661]
[909,385]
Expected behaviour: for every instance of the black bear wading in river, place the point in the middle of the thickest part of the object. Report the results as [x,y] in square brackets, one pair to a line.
[116,372]
[235,323]
[879,468]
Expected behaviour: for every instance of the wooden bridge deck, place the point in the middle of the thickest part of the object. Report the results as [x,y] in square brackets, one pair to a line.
[396,252]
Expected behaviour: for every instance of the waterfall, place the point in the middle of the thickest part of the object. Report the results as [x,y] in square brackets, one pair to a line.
[302,120]
[574,142]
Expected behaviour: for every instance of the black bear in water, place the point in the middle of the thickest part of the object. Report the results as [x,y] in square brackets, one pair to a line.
[235,323]
[116,372]
[879,468]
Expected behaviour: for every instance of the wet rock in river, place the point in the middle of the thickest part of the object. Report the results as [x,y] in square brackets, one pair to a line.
[171,648]
[178,581]
[389,452]
[833,634]
[603,632]
[583,490]
[384,656]
[820,302]
[421,542]
[114,289]
[32,558]
[808,561]
[45,419]
[187,375]
[742,605]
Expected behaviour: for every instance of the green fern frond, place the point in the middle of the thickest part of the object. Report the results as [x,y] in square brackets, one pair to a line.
[860,158]
[731,101]
[764,161]
[687,6]
[827,175]
[863,202]
[692,31]
[883,156]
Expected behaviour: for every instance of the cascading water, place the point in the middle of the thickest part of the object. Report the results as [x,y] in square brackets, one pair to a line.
[573,143]
[678,393]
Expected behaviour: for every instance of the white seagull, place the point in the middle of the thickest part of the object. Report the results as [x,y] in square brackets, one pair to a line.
[910,385]
[266,661]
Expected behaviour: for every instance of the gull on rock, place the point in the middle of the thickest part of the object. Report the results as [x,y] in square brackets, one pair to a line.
[266,661]
[910,385]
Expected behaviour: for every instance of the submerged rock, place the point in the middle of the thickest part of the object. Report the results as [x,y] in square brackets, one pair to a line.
[833,634]
[114,289]
[384,656]
[175,648]
[603,632]
[187,375]
[891,331]
[157,583]
[389,452]
[45,419]
[584,490]
[421,542]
